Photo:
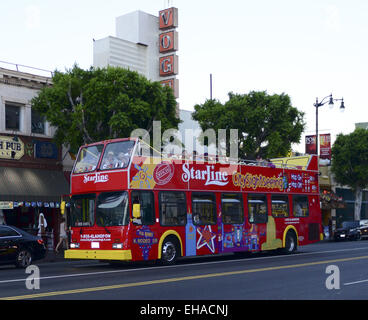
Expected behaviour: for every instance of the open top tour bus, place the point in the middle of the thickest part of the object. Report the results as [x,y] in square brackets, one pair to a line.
[128,207]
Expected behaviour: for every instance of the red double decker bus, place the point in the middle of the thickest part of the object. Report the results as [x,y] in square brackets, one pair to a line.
[127,206]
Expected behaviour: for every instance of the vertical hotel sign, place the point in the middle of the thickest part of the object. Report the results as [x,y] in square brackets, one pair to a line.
[168,45]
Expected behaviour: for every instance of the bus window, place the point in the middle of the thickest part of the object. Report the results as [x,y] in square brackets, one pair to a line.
[280,206]
[257,208]
[147,206]
[173,208]
[117,155]
[204,208]
[300,206]
[88,158]
[112,209]
[82,210]
[232,208]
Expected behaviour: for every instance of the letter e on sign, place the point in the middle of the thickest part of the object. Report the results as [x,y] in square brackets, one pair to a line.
[168,18]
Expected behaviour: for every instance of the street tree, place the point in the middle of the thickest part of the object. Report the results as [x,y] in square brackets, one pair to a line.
[350,164]
[267,124]
[103,103]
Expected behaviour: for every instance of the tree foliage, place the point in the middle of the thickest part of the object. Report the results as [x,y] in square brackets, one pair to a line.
[97,104]
[267,124]
[350,163]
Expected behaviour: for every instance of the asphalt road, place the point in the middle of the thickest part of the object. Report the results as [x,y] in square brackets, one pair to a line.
[322,271]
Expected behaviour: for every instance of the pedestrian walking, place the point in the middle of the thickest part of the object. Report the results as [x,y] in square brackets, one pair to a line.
[63,236]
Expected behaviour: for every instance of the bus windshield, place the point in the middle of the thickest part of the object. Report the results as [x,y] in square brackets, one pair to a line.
[112,209]
[117,155]
[82,210]
[88,158]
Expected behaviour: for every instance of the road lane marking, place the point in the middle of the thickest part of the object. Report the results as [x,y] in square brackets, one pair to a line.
[177,279]
[355,282]
[178,265]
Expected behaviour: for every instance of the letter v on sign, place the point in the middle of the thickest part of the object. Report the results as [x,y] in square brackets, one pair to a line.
[168,18]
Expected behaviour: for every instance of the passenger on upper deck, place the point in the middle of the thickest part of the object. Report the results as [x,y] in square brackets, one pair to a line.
[122,161]
[110,161]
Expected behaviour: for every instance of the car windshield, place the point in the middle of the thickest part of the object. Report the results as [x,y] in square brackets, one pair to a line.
[112,209]
[117,155]
[82,210]
[88,158]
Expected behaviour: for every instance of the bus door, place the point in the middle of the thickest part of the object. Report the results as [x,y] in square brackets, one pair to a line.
[204,220]
[234,236]
[144,233]
[258,220]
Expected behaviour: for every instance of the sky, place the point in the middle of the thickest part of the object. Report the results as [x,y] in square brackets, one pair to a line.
[307,49]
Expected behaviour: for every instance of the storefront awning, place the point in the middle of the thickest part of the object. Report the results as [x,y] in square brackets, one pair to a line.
[23,184]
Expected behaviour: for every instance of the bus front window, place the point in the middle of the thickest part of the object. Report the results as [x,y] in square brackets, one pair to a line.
[112,209]
[117,155]
[82,210]
[88,158]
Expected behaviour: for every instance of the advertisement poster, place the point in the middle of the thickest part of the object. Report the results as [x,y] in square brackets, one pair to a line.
[325,146]
[310,144]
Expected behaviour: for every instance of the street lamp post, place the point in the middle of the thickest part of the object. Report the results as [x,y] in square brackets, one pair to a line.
[318,104]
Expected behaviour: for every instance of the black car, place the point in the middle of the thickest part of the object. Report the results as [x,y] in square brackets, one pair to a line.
[19,247]
[348,231]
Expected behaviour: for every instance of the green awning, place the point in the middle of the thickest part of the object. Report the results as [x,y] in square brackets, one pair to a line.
[23,184]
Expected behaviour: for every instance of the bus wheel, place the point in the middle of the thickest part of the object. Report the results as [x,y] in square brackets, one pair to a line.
[169,251]
[290,243]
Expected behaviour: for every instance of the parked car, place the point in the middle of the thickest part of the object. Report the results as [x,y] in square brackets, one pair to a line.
[363,229]
[348,231]
[19,247]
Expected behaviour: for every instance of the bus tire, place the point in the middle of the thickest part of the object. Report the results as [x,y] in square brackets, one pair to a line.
[170,251]
[291,243]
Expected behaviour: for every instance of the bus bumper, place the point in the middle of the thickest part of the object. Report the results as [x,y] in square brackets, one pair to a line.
[98,254]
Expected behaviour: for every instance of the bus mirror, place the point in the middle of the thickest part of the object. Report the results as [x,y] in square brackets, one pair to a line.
[136,211]
[62,207]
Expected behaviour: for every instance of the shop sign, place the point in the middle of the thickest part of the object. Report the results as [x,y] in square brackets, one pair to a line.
[6,205]
[11,148]
[46,150]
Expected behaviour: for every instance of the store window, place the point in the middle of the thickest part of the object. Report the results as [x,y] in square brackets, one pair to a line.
[204,208]
[38,123]
[232,208]
[12,117]
[257,208]
[172,208]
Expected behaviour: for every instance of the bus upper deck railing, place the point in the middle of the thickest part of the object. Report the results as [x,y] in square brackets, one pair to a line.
[299,162]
